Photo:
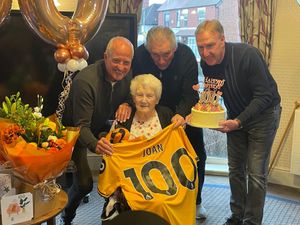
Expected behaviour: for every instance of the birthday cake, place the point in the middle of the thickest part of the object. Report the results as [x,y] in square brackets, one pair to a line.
[206,119]
[208,112]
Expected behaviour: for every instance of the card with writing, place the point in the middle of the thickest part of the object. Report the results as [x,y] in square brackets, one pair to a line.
[5,184]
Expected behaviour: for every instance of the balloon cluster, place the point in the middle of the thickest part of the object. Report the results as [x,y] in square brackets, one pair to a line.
[68,34]
[71,57]
[5,6]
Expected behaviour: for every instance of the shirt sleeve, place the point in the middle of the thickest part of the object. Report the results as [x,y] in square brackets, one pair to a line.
[189,97]
[83,109]
[260,81]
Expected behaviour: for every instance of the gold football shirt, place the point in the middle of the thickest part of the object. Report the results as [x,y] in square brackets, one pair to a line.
[158,175]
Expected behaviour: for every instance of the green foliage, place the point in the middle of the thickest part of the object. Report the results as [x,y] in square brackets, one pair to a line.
[21,114]
[60,129]
[45,132]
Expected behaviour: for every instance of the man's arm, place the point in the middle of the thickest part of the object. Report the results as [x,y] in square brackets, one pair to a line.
[260,81]
[123,111]
[189,68]
[83,109]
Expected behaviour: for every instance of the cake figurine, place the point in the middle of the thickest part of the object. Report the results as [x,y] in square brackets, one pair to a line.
[208,112]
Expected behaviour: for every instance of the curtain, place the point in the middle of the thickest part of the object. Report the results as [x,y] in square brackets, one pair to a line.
[126,6]
[257,24]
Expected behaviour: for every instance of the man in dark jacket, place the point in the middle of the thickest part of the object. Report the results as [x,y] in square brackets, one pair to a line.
[96,93]
[253,106]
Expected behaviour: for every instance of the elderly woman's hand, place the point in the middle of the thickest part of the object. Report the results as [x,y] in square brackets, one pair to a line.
[104,147]
[123,112]
[178,120]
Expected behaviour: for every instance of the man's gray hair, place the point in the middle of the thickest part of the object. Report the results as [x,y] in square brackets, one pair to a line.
[146,80]
[213,26]
[159,34]
[118,39]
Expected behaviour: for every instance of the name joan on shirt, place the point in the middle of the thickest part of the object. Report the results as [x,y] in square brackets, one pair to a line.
[153,150]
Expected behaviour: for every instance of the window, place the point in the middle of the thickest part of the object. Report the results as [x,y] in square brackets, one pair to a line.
[184,17]
[186,20]
[192,43]
[166,19]
[178,18]
[201,14]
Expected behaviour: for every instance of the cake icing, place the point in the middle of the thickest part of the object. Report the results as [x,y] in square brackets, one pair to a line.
[206,119]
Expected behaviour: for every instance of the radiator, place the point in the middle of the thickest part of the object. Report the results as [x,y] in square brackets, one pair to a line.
[295,157]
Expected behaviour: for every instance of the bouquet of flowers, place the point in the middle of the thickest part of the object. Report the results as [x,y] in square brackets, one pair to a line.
[38,148]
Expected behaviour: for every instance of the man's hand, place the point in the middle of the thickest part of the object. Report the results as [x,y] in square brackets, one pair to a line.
[188,118]
[229,125]
[104,147]
[178,120]
[123,112]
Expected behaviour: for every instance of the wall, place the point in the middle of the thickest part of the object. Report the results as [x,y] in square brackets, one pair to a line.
[67,5]
[285,67]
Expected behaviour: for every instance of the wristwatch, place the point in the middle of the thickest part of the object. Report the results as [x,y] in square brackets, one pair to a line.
[239,122]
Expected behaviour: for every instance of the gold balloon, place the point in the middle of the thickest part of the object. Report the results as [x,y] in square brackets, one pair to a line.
[62,55]
[90,15]
[44,18]
[77,51]
[85,54]
[55,28]
[5,6]
[62,46]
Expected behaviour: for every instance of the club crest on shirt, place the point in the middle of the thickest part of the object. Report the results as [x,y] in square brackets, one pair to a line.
[102,166]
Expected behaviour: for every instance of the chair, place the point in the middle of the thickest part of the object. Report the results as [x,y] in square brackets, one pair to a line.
[136,218]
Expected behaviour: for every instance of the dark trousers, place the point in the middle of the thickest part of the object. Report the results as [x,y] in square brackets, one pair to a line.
[195,136]
[82,183]
[248,159]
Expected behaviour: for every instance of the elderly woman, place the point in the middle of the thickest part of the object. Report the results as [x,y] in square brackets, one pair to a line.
[147,117]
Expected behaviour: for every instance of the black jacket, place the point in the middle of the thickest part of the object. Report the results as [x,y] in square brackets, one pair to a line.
[249,86]
[177,80]
[93,101]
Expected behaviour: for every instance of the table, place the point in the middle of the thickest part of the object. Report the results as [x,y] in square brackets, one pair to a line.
[57,205]
[60,202]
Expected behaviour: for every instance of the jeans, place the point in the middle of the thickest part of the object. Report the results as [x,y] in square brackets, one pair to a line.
[248,159]
[82,183]
[195,136]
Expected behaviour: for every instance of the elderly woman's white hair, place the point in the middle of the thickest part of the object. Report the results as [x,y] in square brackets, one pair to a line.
[146,80]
